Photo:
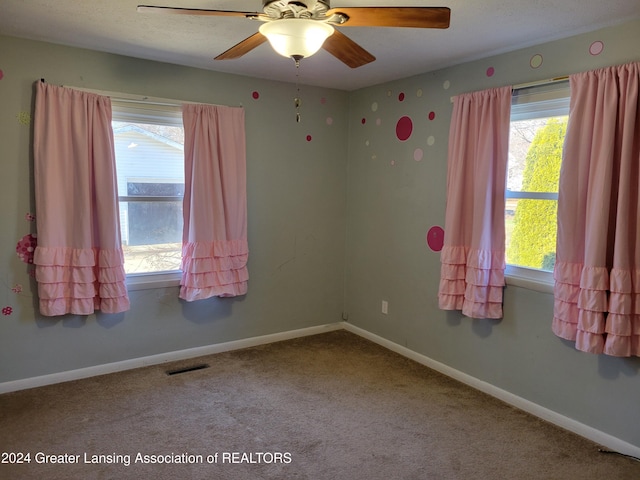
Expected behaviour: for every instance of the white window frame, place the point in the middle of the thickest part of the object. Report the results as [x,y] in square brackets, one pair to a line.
[529,102]
[146,110]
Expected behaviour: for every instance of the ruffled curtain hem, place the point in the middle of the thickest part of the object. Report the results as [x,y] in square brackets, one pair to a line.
[472,281]
[80,281]
[214,269]
[597,309]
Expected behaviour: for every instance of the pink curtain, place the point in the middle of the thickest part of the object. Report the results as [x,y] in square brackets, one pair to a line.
[597,272]
[214,241]
[79,260]
[473,255]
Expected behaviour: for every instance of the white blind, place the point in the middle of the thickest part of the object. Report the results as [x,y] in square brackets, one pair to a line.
[548,100]
[136,111]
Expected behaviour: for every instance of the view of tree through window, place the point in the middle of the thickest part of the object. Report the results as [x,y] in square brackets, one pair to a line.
[535,155]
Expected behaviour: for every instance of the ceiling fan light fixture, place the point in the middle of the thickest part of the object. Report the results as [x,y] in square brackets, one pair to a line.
[296,37]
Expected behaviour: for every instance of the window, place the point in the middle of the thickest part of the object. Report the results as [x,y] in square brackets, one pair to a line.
[149,149]
[538,124]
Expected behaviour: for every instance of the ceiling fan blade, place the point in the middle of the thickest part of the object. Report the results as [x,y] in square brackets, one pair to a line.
[195,11]
[416,17]
[245,46]
[346,50]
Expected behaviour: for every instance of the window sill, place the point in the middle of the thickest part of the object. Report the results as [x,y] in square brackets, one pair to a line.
[153,280]
[536,280]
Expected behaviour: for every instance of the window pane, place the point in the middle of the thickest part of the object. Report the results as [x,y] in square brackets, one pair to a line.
[151,236]
[153,222]
[535,154]
[150,163]
[152,258]
[539,116]
[137,189]
[530,227]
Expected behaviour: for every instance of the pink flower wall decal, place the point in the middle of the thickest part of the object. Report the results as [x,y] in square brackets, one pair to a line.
[25,248]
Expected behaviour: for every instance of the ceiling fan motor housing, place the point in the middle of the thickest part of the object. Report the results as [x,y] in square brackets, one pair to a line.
[296,9]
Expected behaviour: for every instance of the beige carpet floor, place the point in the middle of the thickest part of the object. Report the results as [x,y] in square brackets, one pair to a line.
[331,406]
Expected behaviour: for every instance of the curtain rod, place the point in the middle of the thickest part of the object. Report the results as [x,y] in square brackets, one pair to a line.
[540,82]
[535,83]
[144,99]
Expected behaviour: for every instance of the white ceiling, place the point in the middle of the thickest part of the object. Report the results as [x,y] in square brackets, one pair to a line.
[479,28]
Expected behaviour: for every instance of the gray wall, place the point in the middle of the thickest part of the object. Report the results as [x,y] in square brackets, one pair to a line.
[393,201]
[296,215]
[353,176]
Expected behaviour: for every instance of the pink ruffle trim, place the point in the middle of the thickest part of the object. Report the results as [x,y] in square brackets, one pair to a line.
[471,281]
[597,309]
[214,269]
[80,281]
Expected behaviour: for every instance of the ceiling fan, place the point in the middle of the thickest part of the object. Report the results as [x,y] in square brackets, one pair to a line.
[299,28]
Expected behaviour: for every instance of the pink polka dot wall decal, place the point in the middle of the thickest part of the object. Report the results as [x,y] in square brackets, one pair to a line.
[401,97]
[596,48]
[432,115]
[535,61]
[490,71]
[404,127]
[329,121]
[418,154]
[363,121]
[323,100]
[378,121]
[308,138]
[1,74]
[435,238]
[255,95]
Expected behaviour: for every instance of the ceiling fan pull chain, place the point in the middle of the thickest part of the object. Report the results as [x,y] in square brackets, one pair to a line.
[297,101]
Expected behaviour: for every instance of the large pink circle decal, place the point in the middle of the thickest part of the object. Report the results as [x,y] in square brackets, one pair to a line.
[435,238]
[404,127]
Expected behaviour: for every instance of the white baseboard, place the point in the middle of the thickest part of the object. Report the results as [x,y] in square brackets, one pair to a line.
[601,438]
[87,372]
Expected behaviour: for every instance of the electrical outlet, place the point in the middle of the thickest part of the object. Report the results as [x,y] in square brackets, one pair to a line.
[385,307]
